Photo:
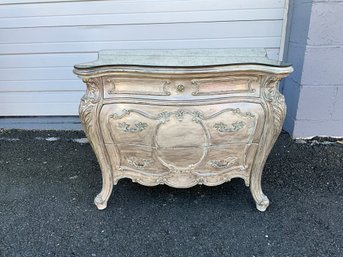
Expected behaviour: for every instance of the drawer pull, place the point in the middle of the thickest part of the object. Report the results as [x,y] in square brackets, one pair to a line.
[139,163]
[222,127]
[140,126]
[222,164]
[180,88]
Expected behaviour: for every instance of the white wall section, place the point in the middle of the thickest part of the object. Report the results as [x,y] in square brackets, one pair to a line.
[40,40]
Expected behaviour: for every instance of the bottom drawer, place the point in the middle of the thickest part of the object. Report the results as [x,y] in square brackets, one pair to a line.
[207,161]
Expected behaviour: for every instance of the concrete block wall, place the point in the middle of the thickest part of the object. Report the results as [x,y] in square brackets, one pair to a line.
[314,92]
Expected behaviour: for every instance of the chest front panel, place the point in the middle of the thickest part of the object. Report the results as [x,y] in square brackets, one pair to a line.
[206,139]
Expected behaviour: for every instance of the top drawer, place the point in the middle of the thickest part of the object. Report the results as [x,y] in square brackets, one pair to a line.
[179,88]
[114,86]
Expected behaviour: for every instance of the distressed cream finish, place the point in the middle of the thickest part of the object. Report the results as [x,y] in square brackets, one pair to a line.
[182,126]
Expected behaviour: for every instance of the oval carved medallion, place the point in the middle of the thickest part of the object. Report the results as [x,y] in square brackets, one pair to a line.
[181,142]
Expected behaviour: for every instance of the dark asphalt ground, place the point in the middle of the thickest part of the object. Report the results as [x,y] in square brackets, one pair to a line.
[47,190]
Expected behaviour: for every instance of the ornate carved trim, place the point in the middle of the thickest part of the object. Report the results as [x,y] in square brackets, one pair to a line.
[140,126]
[222,127]
[276,100]
[180,114]
[197,84]
[89,102]
[197,116]
[275,110]
[116,116]
[164,117]
[139,163]
[192,179]
[114,91]
[174,169]
[222,164]
[161,180]
[88,111]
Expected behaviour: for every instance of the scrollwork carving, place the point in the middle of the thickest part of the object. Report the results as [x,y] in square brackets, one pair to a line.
[89,102]
[174,169]
[222,127]
[139,163]
[200,180]
[276,100]
[222,164]
[140,126]
[166,87]
[120,116]
[113,85]
[197,116]
[180,114]
[163,117]
[88,110]
[161,180]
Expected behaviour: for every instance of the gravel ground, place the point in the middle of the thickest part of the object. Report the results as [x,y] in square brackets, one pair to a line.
[48,181]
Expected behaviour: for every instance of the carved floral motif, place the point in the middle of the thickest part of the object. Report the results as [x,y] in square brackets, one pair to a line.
[139,126]
[236,126]
[197,116]
[180,114]
[163,117]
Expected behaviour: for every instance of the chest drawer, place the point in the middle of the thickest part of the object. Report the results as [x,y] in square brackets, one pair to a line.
[181,126]
[182,88]
[212,161]
[114,86]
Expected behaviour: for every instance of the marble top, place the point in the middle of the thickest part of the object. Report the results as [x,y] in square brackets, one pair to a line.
[181,58]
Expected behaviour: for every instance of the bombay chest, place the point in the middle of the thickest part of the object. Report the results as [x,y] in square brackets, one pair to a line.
[182,117]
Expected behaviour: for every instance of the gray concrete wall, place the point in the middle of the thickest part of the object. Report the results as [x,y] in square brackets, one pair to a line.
[314,92]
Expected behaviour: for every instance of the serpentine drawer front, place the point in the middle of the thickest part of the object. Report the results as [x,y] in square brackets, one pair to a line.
[182,117]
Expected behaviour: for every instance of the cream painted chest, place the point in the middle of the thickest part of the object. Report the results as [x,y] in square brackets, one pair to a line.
[182,117]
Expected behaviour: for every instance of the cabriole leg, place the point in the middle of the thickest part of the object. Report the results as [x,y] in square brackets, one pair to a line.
[89,109]
[107,186]
[261,200]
